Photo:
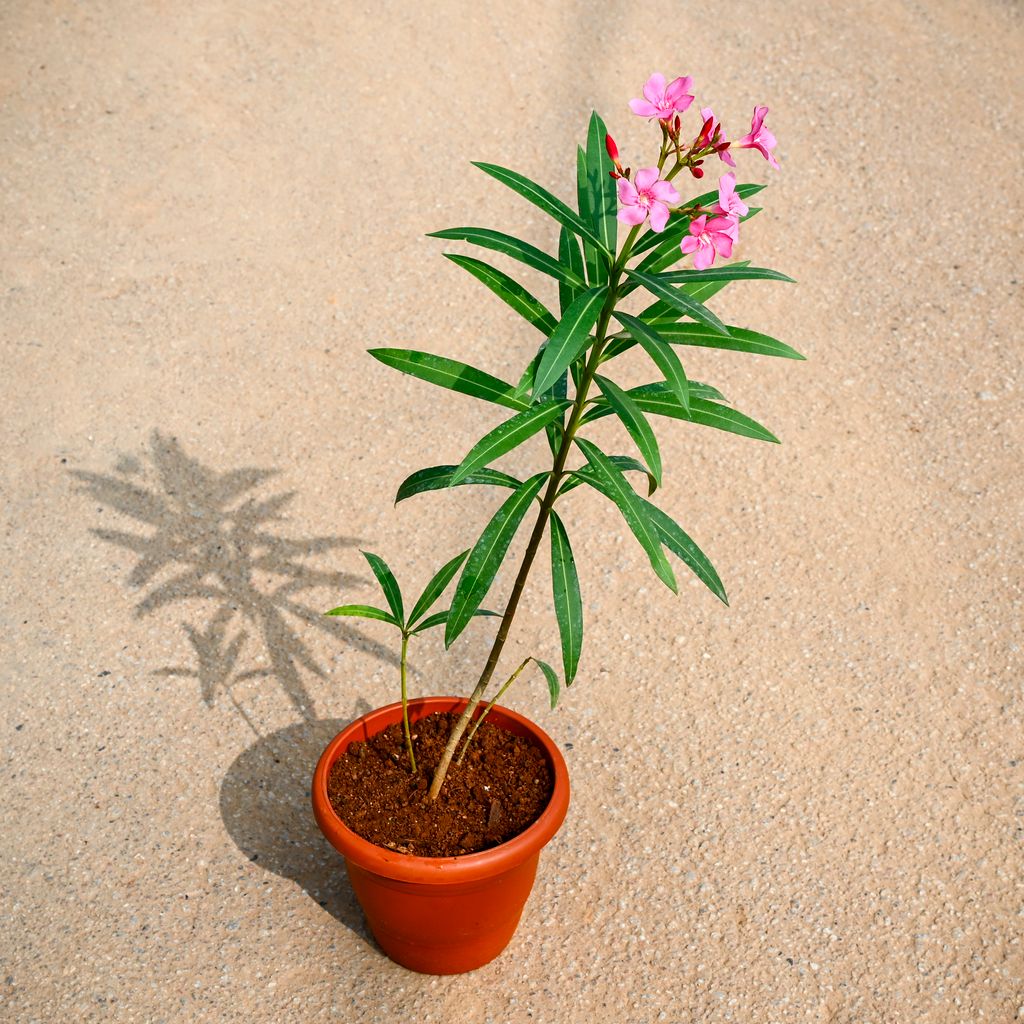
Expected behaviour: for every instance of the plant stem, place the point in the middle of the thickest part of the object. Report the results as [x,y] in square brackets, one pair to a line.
[476,725]
[547,503]
[405,704]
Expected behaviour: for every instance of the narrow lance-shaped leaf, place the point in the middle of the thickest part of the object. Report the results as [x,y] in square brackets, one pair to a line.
[680,299]
[439,478]
[569,339]
[631,507]
[596,267]
[364,611]
[387,582]
[552,681]
[498,241]
[435,588]
[664,311]
[440,618]
[737,340]
[672,536]
[487,555]
[526,305]
[657,390]
[556,427]
[569,255]
[675,538]
[625,462]
[508,435]
[635,423]
[565,584]
[601,185]
[542,198]
[451,374]
[710,414]
[726,273]
[662,355]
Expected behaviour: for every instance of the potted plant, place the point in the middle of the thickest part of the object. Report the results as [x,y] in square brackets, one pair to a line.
[441,864]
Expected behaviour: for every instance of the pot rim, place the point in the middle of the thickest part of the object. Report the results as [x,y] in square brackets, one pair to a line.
[440,870]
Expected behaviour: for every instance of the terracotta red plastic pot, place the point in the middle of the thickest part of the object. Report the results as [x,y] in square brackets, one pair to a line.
[441,915]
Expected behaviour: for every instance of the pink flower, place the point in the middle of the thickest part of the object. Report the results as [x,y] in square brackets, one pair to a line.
[759,137]
[710,238]
[729,204]
[650,195]
[661,101]
[721,143]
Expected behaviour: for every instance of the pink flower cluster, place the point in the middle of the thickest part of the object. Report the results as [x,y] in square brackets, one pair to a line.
[716,237]
[649,196]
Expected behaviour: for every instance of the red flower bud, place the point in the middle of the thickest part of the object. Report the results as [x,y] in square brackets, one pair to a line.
[705,132]
[697,172]
[678,124]
[613,150]
[614,174]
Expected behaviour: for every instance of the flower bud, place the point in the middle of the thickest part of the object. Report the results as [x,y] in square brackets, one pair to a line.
[613,150]
[697,172]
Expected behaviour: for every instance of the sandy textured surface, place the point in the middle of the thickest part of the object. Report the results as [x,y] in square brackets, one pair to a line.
[804,808]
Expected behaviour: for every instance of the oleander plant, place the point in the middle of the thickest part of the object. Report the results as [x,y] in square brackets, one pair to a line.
[629,233]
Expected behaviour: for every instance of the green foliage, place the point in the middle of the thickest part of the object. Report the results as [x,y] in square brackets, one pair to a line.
[566,386]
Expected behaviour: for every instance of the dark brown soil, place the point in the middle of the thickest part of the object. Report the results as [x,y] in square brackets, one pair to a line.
[499,790]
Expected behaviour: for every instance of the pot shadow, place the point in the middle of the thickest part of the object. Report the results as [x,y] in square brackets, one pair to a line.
[266,810]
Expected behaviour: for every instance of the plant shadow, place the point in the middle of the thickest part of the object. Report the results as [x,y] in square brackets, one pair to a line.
[210,539]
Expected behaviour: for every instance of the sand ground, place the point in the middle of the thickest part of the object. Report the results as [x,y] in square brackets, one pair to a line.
[806,807]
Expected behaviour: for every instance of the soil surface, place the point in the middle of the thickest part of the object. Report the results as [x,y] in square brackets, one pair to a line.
[499,790]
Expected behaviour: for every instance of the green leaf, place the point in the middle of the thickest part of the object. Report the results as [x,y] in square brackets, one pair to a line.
[647,395]
[438,478]
[635,423]
[440,618]
[365,611]
[711,414]
[672,235]
[601,185]
[508,435]
[436,586]
[624,462]
[680,299]
[486,557]
[543,199]
[569,339]
[616,486]
[727,273]
[660,311]
[498,241]
[549,675]
[738,340]
[662,354]
[675,538]
[451,374]
[569,255]
[531,309]
[596,267]
[387,582]
[568,602]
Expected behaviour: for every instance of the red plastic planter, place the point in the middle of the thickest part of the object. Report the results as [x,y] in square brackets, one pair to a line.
[441,915]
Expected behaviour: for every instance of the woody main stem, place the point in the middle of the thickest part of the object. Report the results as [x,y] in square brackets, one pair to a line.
[547,503]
